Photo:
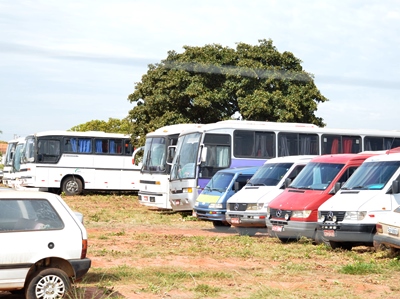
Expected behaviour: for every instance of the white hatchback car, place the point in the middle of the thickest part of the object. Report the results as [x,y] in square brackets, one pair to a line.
[43,244]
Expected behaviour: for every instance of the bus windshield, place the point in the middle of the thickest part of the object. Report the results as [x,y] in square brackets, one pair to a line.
[316,176]
[154,157]
[372,175]
[269,174]
[185,160]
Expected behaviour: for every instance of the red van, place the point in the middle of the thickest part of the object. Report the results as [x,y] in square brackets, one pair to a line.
[294,213]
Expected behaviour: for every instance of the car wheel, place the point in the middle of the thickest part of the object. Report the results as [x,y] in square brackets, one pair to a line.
[221,226]
[246,231]
[72,186]
[49,283]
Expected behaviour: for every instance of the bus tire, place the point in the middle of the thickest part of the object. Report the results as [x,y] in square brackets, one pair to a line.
[72,186]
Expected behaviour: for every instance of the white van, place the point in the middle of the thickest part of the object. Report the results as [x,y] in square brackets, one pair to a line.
[247,209]
[349,218]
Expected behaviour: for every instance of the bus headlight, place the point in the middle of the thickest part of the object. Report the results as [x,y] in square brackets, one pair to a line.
[187,190]
[301,214]
[355,215]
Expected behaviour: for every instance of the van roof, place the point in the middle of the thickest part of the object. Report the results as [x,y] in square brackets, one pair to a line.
[385,157]
[343,158]
[289,159]
[245,170]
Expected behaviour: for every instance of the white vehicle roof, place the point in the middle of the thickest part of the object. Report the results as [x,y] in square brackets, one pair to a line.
[291,159]
[384,157]
[173,129]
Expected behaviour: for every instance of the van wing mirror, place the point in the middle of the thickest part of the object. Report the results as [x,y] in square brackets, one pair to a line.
[287,183]
[236,186]
[395,187]
[171,154]
[337,187]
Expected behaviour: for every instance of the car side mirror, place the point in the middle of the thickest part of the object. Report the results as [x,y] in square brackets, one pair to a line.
[395,187]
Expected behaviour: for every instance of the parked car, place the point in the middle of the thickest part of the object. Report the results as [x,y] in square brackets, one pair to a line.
[211,203]
[388,231]
[43,244]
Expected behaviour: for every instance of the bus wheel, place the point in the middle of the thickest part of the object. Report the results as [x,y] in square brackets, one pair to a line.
[72,186]
[221,226]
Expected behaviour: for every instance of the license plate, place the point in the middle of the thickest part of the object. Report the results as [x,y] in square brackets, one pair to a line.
[194,214]
[235,220]
[277,228]
[145,198]
[393,231]
[329,233]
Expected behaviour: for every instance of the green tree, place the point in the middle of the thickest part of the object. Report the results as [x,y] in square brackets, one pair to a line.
[113,125]
[212,83]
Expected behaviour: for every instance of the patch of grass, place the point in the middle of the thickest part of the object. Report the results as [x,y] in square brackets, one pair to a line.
[360,268]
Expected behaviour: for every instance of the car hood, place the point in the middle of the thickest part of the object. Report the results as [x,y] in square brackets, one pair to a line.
[297,199]
[251,194]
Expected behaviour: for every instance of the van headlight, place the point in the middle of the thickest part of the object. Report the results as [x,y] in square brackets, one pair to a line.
[301,214]
[355,215]
[215,206]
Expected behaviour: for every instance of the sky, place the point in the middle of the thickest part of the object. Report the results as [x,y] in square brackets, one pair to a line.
[64,63]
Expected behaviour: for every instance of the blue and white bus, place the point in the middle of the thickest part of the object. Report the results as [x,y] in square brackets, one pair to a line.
[70,162]
[202,151]
[154,173]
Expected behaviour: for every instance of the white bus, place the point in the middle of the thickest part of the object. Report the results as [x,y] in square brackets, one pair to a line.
[8,172]
[201,152]
[154,187]
[70,162]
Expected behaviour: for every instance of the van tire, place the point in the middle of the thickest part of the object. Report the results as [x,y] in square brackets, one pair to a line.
[72,186]
[246,231]
[221,226]
[50,279]
[341,245]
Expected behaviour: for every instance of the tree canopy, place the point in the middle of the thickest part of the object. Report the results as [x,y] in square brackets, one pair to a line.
[213,83]
[113,125]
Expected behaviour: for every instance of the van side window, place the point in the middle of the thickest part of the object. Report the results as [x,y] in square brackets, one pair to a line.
[242,180]
[346,175]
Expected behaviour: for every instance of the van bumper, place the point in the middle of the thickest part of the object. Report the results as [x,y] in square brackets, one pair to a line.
[246,219]
[210,214]
[343,232]
[292,229]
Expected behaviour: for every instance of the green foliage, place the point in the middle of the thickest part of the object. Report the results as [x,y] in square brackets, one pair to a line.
[213,83]
[113,125]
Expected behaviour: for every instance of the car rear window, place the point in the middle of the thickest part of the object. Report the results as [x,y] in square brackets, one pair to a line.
[27,215]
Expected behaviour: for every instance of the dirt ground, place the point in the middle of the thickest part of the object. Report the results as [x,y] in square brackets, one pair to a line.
[322,277]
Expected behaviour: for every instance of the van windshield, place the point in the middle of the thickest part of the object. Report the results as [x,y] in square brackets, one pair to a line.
[269,174]
[372,175]
[316,176]
[219,182]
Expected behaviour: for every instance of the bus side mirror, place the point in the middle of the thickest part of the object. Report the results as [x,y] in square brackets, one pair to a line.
[203,155]
[395,187]
[171,154]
